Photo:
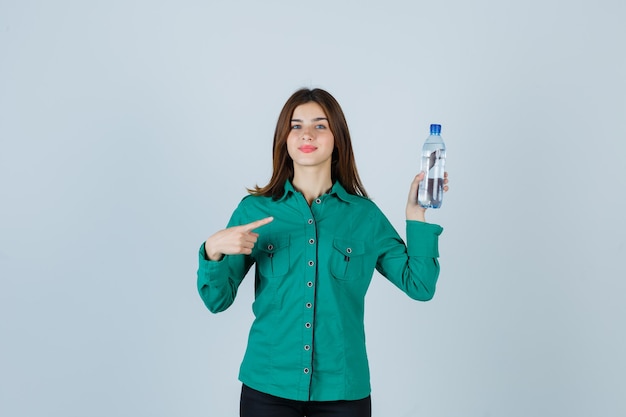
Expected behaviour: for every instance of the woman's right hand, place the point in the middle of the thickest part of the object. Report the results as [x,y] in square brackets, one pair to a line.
[236,240]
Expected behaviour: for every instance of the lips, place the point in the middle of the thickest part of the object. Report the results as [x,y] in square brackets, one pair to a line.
[307,148]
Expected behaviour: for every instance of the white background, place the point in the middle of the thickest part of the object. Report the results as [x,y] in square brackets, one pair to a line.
[130,129]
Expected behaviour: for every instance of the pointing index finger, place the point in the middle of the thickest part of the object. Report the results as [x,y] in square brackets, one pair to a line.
[256,224]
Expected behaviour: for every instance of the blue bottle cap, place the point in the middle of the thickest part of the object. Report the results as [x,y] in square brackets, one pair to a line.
[435,129]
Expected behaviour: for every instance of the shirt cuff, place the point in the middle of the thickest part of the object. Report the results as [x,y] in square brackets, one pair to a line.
[423,239]
[210,271]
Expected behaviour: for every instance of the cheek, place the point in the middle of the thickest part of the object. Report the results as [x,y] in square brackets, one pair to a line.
[291,146]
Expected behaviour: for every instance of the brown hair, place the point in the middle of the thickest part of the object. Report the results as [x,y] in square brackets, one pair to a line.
[343,165]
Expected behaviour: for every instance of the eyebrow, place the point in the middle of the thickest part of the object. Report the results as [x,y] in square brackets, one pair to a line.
[317,119]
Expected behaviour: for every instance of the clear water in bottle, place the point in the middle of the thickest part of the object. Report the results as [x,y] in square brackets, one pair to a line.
[430,193]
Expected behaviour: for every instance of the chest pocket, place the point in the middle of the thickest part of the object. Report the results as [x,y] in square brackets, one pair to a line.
[273,255]
[347,259]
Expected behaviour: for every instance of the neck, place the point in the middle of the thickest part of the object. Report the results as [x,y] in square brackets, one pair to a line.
[312,183]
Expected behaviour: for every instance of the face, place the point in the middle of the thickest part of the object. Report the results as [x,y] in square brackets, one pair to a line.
[310,142]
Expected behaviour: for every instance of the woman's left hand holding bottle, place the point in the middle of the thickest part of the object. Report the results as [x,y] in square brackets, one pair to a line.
[413,210]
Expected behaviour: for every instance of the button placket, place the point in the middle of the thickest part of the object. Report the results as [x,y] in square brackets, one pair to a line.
[308,311]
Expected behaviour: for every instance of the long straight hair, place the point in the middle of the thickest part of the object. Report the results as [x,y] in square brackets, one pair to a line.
[343,165]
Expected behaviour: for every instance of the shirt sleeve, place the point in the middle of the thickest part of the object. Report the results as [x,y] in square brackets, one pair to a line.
[218,281]
[413,267]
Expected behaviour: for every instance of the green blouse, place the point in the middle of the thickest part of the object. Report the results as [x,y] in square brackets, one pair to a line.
[313,267]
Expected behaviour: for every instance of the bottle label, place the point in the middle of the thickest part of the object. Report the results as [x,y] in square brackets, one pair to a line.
[430,194]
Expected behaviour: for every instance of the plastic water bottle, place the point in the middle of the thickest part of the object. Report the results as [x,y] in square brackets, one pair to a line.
[430,194]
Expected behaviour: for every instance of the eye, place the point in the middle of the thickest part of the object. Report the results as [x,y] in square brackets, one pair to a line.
[320,127]
[296,126]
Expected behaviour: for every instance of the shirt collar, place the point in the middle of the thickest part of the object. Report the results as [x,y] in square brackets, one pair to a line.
[336,190]
[341,192]
[288,189]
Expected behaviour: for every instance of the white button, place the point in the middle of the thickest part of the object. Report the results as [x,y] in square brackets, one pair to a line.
[270,247]
[306,370]
[311,263]
[311,241]
[307,347]
[309,305]
[318,201]
[307,325]
[309,284]
[349,250]
[310,221]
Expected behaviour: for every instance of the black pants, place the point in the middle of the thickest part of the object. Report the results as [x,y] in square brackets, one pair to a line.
[258,404]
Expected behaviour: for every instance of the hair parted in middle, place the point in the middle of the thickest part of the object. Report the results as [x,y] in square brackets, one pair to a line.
[343,165]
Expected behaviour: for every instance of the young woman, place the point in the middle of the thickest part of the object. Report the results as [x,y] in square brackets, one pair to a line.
[316,239]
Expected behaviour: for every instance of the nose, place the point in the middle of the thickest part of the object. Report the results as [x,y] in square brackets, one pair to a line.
[306,134]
